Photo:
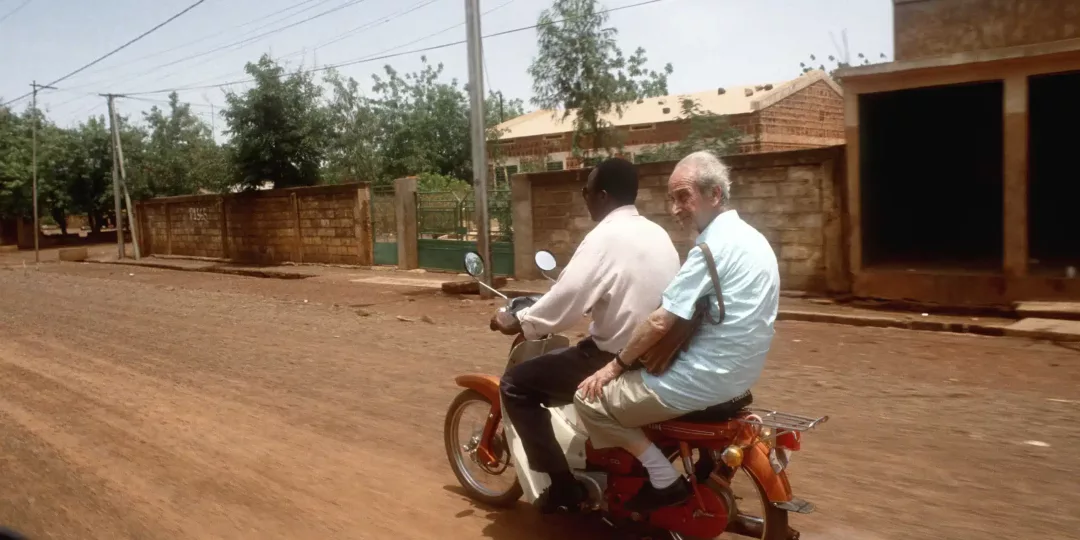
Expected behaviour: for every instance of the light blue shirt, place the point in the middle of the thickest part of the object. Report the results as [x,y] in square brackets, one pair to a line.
[722,361]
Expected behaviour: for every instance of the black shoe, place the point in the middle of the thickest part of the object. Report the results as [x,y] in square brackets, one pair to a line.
[649,498]
[563,498]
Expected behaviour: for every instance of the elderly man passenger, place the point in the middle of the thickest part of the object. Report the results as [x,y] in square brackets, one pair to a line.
[722,361]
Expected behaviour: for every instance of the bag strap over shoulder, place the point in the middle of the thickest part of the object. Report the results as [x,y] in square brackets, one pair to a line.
[710,263]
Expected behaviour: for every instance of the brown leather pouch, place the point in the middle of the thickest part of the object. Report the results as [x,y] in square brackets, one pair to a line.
[659,357]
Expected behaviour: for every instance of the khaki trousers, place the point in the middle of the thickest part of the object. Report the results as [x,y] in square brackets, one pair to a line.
[616,418]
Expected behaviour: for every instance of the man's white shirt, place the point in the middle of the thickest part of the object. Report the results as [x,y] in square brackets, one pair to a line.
[617,274]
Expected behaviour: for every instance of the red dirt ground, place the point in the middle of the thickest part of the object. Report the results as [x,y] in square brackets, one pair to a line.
[154,404]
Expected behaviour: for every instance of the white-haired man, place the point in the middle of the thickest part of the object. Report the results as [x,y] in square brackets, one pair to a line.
[721,362]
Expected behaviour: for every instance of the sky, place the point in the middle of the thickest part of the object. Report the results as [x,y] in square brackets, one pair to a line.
[710,43]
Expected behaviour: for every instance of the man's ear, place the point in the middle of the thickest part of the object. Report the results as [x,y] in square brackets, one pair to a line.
[717,196]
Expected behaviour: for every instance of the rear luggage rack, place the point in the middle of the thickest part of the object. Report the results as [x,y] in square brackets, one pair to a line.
[781,422]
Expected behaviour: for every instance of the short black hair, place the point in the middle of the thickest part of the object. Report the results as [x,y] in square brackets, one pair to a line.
[618,177]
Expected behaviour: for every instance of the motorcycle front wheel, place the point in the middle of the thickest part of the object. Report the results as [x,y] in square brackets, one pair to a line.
[495,485]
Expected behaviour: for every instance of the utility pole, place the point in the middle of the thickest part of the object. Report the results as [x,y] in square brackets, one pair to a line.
[33,129]
[478,136]
[120,183]
[116,180]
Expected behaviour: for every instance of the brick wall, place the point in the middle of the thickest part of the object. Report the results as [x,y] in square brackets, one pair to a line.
[793,198]
[924,28]
[810,118]
[326,224]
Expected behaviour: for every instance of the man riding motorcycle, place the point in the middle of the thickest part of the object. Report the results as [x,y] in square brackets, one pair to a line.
[721,361]
[616,274]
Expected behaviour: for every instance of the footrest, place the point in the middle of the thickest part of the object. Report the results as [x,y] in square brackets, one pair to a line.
[796,505]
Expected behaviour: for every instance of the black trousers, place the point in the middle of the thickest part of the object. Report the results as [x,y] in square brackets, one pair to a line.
[548,380]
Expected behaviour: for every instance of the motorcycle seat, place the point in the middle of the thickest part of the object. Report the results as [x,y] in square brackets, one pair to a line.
[719,413]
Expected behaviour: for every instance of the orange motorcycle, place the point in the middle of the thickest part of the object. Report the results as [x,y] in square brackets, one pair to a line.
[733,455]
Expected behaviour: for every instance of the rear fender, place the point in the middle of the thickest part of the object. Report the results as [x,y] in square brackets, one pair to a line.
[756,462]
[487,386]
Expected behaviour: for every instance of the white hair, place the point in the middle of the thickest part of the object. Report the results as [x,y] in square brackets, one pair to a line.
[707,172]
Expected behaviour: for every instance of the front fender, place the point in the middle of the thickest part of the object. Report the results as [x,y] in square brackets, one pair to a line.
[487,385]
[756,462]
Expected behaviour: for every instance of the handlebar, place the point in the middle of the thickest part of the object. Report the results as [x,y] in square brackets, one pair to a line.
[518,303]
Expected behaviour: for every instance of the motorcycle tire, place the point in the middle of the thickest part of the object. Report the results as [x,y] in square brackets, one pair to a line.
[507,499]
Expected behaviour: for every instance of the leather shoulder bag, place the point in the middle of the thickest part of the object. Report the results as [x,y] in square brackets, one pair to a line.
[659,357]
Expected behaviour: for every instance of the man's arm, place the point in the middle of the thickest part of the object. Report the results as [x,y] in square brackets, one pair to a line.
[679,299]
[581,284]
[645,335]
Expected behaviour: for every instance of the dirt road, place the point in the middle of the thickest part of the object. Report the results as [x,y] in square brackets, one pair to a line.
[152,404]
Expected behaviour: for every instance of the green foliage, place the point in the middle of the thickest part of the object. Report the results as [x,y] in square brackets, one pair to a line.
[581,70]
[707,131]
[499,109]
[437,182]
[15,163]
[422,123]
[352,153]
[178,156]
[278,127]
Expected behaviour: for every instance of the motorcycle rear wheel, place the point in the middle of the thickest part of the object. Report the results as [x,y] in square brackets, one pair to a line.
[458,453]
[774,522]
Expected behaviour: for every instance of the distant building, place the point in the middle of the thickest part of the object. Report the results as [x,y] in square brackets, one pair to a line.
[806,112]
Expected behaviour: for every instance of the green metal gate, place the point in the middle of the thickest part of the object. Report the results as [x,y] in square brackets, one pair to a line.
[447,230]
[384,225]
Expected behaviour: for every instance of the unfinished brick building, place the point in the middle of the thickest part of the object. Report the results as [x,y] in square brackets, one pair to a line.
[806,112]
[962,184]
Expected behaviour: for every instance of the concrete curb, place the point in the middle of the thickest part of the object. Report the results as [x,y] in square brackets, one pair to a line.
[879,321]
[211,270]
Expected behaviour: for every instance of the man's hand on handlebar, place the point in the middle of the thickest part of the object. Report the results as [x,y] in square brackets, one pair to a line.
[506,323]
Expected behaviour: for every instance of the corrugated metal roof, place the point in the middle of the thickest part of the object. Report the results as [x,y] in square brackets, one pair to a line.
[733,100]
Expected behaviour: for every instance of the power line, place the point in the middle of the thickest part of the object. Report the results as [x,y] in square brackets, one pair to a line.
[14,11]
[245,41]
[381,54]
[395,55]
[116,50]
[211,36]
[346,34]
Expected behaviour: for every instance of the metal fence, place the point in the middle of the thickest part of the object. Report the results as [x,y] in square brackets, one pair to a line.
[447,215]
[384,213]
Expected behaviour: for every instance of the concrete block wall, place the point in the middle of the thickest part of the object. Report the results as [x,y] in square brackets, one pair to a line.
[325,224]
[793,198]
[195,228]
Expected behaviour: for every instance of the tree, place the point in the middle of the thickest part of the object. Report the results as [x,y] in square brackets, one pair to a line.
[278,127]
[180,154]
[705,131]
[423,124]
[15,160]
[498,109]
[89,178]
[353,150]
[581,70]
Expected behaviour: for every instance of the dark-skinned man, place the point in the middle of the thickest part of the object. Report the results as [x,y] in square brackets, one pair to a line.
[616,275]
[720,363]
